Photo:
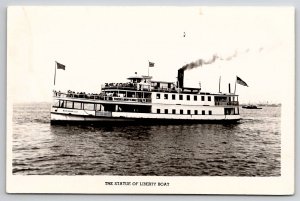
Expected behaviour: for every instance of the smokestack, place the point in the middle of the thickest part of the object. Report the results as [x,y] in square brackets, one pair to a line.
[180,77]
[229,88]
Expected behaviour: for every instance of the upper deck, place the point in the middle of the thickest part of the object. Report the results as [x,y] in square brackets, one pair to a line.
[147,98]
[101,98]
[145,83]
[143,90]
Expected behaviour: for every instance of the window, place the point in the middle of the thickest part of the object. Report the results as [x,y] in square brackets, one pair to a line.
[55,103]
[173,111]
[180,97]
[209,98]
[209,112]
[158,111]
[202,98]
[195,98]
[173,96]
[69,104]
[166,111]
[196,112]
[228,111]
[61,103]
[77,105]
[188,111]
[166,96]
[181,111]
[188,97]
[98,107]
[157,96]
[89,106]
[203,112]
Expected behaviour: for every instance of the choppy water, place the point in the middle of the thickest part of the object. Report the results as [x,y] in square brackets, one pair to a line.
[251,148]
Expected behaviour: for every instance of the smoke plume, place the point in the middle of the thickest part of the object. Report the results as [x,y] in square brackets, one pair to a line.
[213,59]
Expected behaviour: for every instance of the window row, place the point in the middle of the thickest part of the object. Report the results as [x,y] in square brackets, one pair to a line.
[188,97]
[77,105]
[173,111]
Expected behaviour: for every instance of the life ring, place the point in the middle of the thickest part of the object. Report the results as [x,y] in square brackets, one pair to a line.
[143,100]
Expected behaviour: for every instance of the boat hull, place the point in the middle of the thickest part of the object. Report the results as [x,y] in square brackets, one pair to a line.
[141,118]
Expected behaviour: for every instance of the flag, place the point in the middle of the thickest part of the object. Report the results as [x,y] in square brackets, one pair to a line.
[60,66]
[241,82]
[151,64]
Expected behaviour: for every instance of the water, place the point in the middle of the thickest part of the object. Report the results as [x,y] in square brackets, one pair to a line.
[250,148]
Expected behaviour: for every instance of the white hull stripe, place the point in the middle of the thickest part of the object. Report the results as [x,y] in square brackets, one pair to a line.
[122,116]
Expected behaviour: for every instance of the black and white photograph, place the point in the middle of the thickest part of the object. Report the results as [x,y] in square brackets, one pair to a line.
[150,99]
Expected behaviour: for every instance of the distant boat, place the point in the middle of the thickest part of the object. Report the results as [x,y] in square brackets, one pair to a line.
[251,107]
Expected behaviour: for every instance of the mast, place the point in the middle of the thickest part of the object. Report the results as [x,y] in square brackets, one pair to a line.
[220,84]
[235,86]
[54,73]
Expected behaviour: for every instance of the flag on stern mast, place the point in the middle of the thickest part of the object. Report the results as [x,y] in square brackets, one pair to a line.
[151,64]
[60,66]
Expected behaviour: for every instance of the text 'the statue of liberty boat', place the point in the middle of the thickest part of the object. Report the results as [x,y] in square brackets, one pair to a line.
[143,100]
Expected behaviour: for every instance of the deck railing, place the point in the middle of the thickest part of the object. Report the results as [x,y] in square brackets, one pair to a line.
[136,86]
[235,103]
[128,86]
[83,96]
[119,87]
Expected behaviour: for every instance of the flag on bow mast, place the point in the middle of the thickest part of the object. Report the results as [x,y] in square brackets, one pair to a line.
[241,82]
[58,66]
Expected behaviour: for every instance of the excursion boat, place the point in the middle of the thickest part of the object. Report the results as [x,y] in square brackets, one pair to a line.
[142,99]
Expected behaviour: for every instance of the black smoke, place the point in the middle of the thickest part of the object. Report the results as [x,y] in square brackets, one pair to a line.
[213,59]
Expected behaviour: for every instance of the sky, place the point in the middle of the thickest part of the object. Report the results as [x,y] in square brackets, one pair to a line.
[109,44]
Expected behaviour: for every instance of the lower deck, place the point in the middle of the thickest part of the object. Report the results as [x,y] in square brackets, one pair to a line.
[71,115]
[95,108]
[77,110]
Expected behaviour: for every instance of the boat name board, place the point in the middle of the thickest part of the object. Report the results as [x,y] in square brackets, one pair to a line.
[67,110]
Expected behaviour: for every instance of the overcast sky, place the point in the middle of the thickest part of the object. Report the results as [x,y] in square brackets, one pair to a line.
[108,44]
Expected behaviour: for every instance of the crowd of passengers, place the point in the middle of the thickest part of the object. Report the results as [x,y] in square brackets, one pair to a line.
[100,96]
[129,84]
[74,94]
[133,85]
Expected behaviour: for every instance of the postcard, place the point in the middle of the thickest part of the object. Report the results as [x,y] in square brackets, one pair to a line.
[150,100]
